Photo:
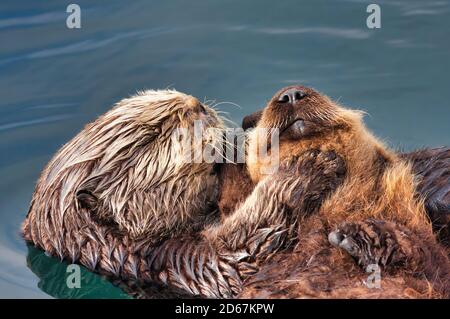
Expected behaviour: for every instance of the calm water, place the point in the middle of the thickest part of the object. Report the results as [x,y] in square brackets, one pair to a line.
[53,80]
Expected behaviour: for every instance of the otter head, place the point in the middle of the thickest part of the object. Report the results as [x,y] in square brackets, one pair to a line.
[306,119]
[130,168]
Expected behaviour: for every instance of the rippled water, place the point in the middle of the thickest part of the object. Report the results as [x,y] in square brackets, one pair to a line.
[54,80]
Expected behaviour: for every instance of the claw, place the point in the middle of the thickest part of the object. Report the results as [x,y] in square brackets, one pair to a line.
[337,239]
[350,246]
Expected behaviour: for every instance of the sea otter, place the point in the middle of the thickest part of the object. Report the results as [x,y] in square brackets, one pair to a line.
[431,168]
[373,216]
[119,199]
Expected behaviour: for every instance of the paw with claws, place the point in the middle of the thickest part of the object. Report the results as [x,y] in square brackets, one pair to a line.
[373,242]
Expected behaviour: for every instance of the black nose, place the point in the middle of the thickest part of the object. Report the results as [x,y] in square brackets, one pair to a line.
[291,95]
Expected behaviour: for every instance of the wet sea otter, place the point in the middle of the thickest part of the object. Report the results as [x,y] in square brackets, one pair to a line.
[374,215]
[119,200]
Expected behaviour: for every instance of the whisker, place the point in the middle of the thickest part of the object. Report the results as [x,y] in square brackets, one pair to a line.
[229,103]
[230,121]
[208,102]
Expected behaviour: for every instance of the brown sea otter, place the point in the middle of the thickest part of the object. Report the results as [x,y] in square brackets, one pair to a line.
[374,214]
[430,166]
[119,200]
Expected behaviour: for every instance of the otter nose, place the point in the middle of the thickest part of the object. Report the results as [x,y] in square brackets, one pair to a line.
[291,95]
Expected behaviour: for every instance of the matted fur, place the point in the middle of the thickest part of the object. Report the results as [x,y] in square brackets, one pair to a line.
[126,169]
[118,188]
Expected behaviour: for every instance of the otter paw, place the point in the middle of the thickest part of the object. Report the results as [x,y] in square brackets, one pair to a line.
[308,179]
[314,162]
[370,242]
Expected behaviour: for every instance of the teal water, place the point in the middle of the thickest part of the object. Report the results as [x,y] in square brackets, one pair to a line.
[53,80]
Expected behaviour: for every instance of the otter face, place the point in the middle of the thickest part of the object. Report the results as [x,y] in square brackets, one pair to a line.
[299,112]
[125,169]
[305,119]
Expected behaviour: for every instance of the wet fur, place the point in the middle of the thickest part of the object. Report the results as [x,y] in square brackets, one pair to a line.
[113,193]
[106,201]
[117,200]
[432,168]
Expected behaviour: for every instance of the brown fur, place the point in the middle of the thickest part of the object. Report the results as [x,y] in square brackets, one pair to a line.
[432,167]
[234,187]
[379,185]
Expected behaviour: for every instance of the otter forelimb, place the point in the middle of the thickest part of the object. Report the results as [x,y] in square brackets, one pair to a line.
[216,262]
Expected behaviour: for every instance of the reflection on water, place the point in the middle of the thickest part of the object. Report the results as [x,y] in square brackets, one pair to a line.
[54,80]
[53,275]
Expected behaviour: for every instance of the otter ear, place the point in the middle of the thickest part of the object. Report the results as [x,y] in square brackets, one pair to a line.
[86,199]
